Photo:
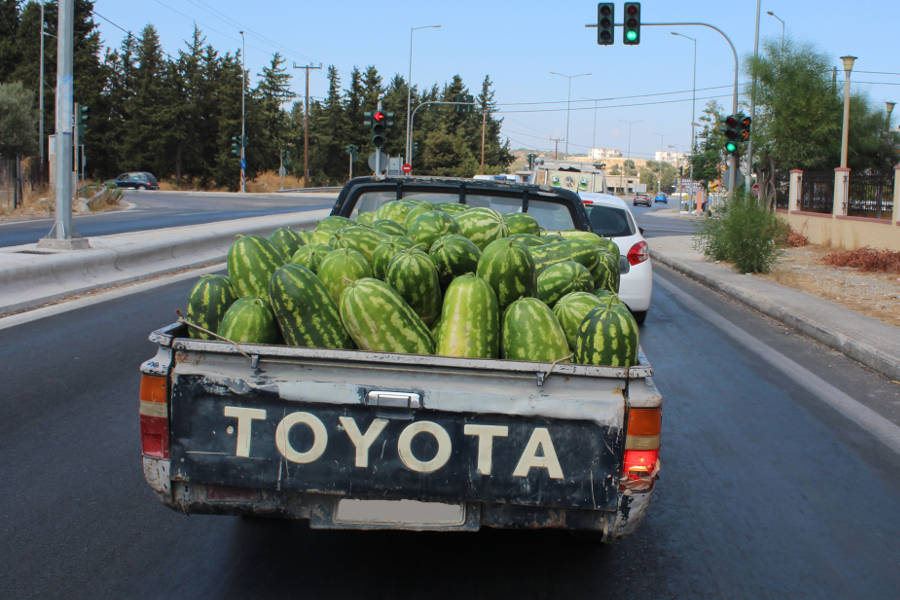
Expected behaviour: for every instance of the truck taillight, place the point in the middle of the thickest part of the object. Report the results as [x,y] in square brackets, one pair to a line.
[642,447]
[638,253]
[154,416]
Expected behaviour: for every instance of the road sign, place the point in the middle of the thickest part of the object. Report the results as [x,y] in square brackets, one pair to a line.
[407,168]
[243,163]
[755,189]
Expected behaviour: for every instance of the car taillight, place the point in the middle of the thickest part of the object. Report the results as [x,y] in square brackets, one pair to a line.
[154,416]
[639,253]
[641,448]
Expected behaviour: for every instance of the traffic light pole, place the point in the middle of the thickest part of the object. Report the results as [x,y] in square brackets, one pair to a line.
[732,160]
[412,116]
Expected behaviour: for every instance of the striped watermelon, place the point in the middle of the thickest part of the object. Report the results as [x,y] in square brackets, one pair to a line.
[571,309]
[250,320]
[454,254]
[556,252]
[251,261]
[389,227]
[306,314]
[209,299]
[430,225]
[395,210]
[578,234]
[333,223]
[311,255]
[452,208]
[305,236]
[361,239]
[286,240]
[366,218]
[416,210]
[606,273]
[482,225]
[412,274]
[563,278]
[321,236]
[531,332]
[469,326]
[385,251]
[378,319]
[339,268]
[521,223]
[529,239]
[507,266]
[608,335]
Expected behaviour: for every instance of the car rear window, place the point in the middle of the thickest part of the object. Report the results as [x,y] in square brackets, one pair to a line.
[609,221]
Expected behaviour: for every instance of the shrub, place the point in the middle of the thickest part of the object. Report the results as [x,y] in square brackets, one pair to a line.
[795,240]
[743,233]
[865,259]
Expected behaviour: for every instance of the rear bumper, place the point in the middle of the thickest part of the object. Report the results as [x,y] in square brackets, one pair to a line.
[321,509]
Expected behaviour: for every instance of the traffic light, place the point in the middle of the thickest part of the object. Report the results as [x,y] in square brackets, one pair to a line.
[606,27]
[379,124]
[236,145]
[733,132]
[632,35]
[745,128]
[415,150]
[81,119]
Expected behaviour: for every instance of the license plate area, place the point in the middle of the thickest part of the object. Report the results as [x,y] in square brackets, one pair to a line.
[399,513]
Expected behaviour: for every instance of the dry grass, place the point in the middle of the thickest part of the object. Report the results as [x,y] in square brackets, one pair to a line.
[865,259]
[269,181]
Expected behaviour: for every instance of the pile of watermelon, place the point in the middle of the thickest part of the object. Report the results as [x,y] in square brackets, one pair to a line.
[421,278]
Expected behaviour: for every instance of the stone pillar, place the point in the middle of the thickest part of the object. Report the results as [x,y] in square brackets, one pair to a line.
[841,191]
[796,190]
[895,218]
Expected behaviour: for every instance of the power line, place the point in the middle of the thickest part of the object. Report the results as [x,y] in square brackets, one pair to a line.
[876,72]
[611,98]
[615,105]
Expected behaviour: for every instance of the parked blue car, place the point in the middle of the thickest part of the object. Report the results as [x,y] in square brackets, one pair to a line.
[661,198]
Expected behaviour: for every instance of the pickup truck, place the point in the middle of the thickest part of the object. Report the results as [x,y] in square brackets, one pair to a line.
[352,439]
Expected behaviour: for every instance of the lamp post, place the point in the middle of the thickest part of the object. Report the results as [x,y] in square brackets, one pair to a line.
[409,87]
[662,145]
[594,137]
[568,102]
[627,154]
[243,131]
[845,129]
[693,110]
[889,108]
[771,14]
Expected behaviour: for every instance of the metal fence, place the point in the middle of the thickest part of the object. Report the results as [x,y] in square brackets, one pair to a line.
[817,192]
[871,196]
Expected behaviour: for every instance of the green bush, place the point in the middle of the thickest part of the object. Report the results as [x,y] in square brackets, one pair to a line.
[743,233]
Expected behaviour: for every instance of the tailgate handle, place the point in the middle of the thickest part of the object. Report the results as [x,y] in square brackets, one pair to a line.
[394,399]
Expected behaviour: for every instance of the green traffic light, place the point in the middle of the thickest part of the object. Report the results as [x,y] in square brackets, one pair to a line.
[731,146]
[631,35]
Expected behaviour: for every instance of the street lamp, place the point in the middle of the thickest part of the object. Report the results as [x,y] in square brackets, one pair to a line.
[771,14]
[409,85]
[568,102]
[693,117]
[243,129]
[594,137]
[889,106]
[662,145]
[628,152]
[845,136]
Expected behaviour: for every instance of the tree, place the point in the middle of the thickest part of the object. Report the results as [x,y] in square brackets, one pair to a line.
[710,145]
[18,126]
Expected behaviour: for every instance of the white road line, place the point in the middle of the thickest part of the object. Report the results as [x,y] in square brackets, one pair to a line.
[881,428]
[117,292]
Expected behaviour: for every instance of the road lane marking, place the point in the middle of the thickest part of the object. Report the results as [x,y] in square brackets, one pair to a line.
[881,428]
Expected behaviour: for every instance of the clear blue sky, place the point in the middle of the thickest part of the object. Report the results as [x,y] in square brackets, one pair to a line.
[519,43]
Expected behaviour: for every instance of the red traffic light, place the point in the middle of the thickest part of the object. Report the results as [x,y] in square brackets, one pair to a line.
[631,10]
[731,121]
[378,116]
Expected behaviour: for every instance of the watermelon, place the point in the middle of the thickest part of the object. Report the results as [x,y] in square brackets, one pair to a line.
[531,332]
[366,218]
[286,240]
[305,312]
[571,309]
[469,326]
[430,225]
[453,254]
[606,273]
[339,268]
[321,236]
[529,239]
[379,319]
[482,225]
[416,210]
[389,227]
[311,255]
[209,299]
[251,261]
[412,274]
[305,236]
[555,252]
[250,320]
[608,336]
[521,223]
[507,266]
[361,239]
[452,208]
[333,223]
[562,278]
[395,210]
[385,251]
[578,234]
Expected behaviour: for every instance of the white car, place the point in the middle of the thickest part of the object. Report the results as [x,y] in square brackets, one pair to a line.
[611,217]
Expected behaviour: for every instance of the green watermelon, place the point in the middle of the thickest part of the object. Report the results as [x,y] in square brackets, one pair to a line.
[608,336]
[395,210]
[578,234]
[562,278]
[469,326]
[306,314]
[482,225]
[453,254]
[305,236]
[321,236]
[250,320]
[521,223]
[361,239]
[606,273]
[311,255]
[556,252]
[286,240]
[571,309]
[507,266]
[339,267]
[430,225]
[412,274]
[333,223]
[416,210]
[209,299]
[366,218]
[389,227]
[379,319]
[452,208]
[529,239]
[385,251]
[251,261]
[531,332]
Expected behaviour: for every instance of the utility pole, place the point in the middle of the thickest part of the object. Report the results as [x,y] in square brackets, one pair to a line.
[41,98]
[243,130]
[483,124]
[556,142]
[306,122]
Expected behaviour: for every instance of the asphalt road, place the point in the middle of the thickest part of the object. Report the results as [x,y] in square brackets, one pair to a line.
[764,491]
[154,210]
